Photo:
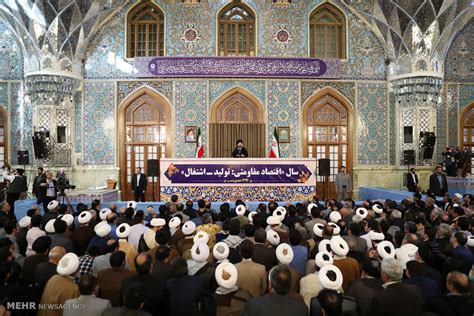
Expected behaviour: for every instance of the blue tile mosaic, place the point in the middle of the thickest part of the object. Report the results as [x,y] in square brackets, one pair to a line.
[99,123]
[219,87]
[283,110]
[11,56]
[452,104]
[459,62]
[372,123]
[190,110]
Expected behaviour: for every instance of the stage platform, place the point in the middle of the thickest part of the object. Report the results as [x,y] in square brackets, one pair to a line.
[385,193]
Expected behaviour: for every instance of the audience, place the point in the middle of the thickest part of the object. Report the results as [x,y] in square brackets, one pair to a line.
[376,258]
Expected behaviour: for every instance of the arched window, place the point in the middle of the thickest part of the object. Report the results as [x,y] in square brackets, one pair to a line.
[236,31]
[237,114]
[467,134]
[145,31]
[327,37]
[327,123]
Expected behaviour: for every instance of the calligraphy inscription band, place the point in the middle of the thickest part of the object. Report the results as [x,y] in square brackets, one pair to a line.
[236,67]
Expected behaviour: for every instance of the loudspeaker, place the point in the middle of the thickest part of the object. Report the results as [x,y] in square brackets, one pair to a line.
[324,167]
[431,141]
[23,157]
[408,157]
[428,153]
[152,168]
[39,146]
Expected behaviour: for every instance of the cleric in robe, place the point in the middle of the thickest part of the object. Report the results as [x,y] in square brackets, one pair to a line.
[240,151]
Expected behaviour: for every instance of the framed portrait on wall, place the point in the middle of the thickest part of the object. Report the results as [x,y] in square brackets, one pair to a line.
[190,133]
[284,134]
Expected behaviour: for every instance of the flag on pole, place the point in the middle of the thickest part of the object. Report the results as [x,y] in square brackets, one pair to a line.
[274,149]
[199,145]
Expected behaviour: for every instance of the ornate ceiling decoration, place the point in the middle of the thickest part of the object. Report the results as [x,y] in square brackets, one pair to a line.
[416,33]
[54,33]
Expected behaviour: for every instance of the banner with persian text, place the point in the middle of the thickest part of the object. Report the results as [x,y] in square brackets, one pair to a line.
[236,67]
[230,179]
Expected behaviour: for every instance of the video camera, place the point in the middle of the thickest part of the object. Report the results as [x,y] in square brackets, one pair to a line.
[63,182]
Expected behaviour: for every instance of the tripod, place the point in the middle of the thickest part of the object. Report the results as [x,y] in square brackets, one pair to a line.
[62,197]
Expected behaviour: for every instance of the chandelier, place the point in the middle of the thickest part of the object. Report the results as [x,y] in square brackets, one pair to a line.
[50,88]
[418,89]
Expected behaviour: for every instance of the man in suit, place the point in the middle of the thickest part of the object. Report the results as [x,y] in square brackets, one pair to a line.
[412,180]
[343,184]
[262,253]
[182,288]
[110,280]
[132,303]
[154,292]
[14,189]
[438,182]
[58,238]
[162,269]
[397,298]
[88,288]
[40,177]
[139,185]
[277,302]
[457,301]
[252,276]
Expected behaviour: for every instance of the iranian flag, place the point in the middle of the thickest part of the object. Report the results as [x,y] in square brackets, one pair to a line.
[274,149]
[199,145]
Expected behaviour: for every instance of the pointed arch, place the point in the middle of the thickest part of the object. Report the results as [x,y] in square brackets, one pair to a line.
[237,99]
[145,33]
[145,125]
[236,30]
[327,36]
[237,114]
[327,132]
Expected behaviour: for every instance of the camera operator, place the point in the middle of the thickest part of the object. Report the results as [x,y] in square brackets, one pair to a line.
[449,161]
[48,190]
[15,188]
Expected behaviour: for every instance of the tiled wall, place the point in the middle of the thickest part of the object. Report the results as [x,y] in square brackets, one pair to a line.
[283,110]
[11,57]
[99,123]
[372,123]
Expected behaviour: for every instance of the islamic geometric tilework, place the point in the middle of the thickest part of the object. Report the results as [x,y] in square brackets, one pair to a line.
[190,110]
[393,130]
[332,112]
[4,94]
[21,115]
[372,123]
[424,122]
[466,95]
[310,87]
[366,53]
[11,56]
[216,193]
[441,141]
[78,125]
[459,61]
[219,87]
[99,123]
[273,20]
[283,110]
[126,87]
[183,18]
[407,119]
[105,56]
[452,103]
